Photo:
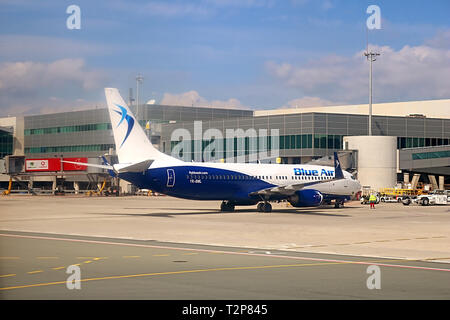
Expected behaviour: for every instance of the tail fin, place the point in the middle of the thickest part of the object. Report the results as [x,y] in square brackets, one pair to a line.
[132,144]
[337,167]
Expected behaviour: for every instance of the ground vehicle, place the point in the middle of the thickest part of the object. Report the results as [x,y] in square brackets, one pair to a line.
[432,198]
[388,199]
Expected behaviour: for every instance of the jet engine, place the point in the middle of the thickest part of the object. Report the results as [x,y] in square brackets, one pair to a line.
[306,198]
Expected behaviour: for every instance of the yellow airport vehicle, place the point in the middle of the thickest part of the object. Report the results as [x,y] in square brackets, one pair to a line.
[394,192]
[99,192]
[8,191]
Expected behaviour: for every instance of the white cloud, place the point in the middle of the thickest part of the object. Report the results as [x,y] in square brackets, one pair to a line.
[34,87]
[29,75]
[441,40]
[193,98]
[308,101]
[410,73]
[48,105]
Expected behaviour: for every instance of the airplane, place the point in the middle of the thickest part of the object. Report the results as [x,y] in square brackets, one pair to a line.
[235,184]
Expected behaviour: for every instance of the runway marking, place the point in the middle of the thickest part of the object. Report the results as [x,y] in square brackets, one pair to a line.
[8,275]
[160,255]
[363,242]
[9,258]
[179,272]
[37,271]
[131,257]
[45,258]
[230,252]
[58,268]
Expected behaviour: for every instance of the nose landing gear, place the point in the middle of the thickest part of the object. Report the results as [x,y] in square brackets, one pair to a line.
[227,206]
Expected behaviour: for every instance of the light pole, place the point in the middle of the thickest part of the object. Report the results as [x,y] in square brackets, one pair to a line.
[139,79]
[371,56]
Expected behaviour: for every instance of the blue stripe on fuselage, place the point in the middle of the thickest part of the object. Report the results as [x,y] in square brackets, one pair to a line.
[198,183]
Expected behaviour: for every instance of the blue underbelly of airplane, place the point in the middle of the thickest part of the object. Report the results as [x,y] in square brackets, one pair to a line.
[199,183]
[205,183]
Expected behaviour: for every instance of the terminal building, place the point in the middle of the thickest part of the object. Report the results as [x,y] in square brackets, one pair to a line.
[415,141]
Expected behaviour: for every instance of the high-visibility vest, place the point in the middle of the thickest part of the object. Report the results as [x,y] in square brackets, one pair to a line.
[372,198]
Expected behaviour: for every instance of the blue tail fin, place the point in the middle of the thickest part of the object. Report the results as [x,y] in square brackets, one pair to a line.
[337,168]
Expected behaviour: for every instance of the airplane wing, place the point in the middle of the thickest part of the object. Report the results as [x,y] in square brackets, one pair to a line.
[135,167]
[287,190]
[292,188]
[118,168]
[81,164]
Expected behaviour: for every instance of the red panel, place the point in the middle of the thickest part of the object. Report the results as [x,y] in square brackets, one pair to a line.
[45,164]
[74,167]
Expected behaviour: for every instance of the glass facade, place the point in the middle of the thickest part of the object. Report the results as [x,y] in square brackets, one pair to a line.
[300,135]
[430,155]
[250,145]
[298,141]
[414,142]
[65,129]
[88,132]
[81,148]
[6,143]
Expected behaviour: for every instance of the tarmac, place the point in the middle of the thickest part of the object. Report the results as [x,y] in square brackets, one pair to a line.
[167,248]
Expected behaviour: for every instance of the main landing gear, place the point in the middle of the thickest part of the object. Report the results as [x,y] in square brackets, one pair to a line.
[227,206]
[339,204]
[264,207]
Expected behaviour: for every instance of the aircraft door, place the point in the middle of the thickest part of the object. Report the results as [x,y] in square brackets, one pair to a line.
[170,178]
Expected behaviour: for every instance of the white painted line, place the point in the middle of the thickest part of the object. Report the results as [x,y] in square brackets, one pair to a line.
[228,252]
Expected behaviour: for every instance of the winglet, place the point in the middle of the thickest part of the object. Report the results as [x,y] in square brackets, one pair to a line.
[337,168]
[111,172]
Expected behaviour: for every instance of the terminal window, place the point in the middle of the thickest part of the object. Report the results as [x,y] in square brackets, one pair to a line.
[6,144]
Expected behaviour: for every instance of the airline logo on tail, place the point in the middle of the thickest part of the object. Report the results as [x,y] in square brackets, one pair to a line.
[124,114]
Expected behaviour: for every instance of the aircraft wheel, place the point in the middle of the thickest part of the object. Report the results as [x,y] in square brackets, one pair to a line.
[267,207]
[226,207]
[338,204]
[259,207]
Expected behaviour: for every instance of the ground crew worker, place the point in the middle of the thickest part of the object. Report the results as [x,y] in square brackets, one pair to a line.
[372,200]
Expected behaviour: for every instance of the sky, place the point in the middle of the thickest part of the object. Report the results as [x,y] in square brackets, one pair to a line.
[244,54]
